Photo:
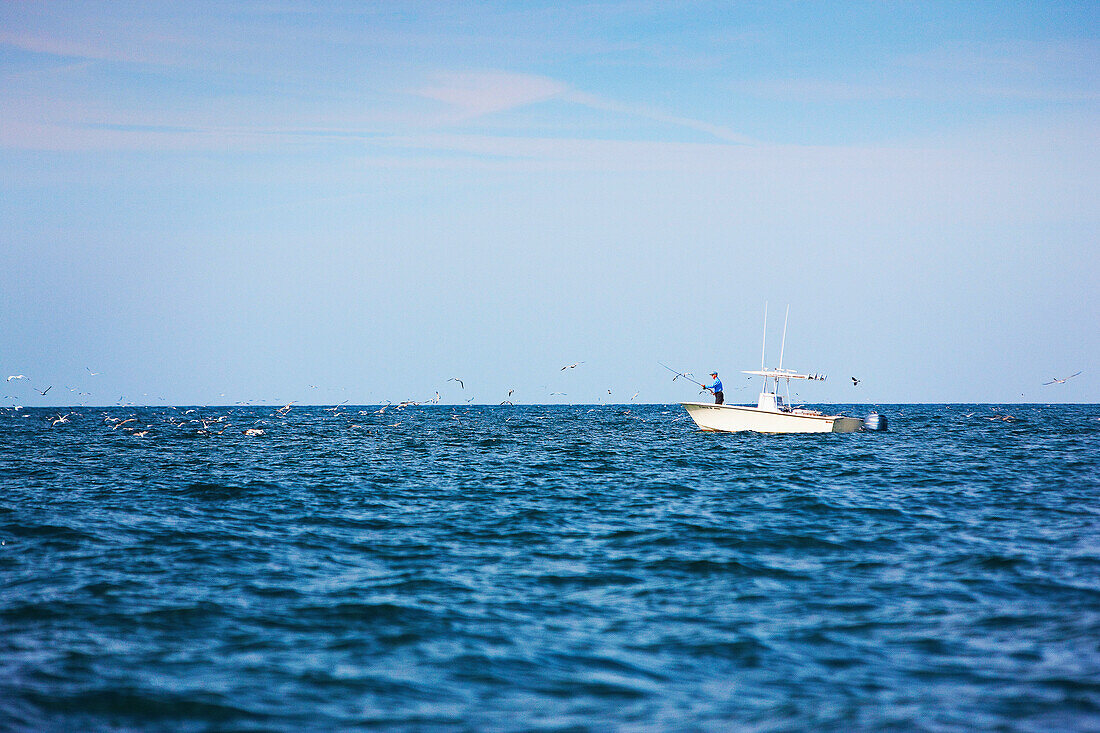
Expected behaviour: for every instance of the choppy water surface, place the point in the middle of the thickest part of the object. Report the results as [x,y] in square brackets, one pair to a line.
[548,568]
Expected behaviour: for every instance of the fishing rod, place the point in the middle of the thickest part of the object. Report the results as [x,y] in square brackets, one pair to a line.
[686,375]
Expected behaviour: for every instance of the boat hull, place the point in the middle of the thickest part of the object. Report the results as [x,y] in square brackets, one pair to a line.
[739,418]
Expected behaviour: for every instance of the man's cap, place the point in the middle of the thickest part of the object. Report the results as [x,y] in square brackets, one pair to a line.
[714,374]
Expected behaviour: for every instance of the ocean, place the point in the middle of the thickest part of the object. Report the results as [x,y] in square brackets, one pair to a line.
[547,568]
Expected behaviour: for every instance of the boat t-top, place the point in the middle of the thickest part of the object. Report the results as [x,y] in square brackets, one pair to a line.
[773,413]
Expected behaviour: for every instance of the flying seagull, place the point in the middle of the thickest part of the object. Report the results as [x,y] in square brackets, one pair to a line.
[94,374]
[1056,380]
[43,391]
[854,381]
[456,379]
[571,366]
[17,376]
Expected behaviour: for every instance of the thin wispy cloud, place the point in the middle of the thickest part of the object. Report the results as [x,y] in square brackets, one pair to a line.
[145,47]
[57,46]
[471,95]
[718,131]
[474,94]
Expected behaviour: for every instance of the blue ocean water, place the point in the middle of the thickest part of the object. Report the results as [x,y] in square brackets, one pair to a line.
[548,568]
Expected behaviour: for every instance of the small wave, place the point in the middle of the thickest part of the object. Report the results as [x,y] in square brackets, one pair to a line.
[366,613]
[213,490]
[597,580]
[56,534]
[706,567]
[132,706]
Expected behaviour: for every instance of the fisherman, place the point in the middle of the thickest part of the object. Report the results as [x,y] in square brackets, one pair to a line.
[716,388]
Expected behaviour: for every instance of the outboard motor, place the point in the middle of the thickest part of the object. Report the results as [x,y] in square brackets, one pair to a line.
[875,422]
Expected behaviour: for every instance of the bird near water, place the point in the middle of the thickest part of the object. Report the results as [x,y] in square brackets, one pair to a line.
[1055,380]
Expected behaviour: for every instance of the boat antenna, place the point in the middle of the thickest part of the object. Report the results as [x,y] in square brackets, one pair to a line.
[782,348]
[764,342]
[784,343]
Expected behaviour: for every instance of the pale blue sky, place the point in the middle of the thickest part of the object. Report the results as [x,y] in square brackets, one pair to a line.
[209,203]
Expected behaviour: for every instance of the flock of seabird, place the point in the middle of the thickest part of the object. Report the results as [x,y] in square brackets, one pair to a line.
[188,420]
[206,426]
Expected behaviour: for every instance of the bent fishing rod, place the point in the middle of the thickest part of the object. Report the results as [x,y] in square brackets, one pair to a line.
[686,375]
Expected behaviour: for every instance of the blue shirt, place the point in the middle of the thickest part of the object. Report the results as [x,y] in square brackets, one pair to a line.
[717,386]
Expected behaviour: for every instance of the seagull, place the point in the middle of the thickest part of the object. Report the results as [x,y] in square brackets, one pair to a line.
[17,376]
[506,402]
[1056,380]
[634,395]
[91,373]
[510,392]
[460,382]
[43,391]
[571,366]
[854,381]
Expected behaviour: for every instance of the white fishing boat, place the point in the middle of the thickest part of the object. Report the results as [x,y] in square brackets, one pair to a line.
[772,413]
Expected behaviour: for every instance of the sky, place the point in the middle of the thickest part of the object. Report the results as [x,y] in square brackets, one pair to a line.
[260,202]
